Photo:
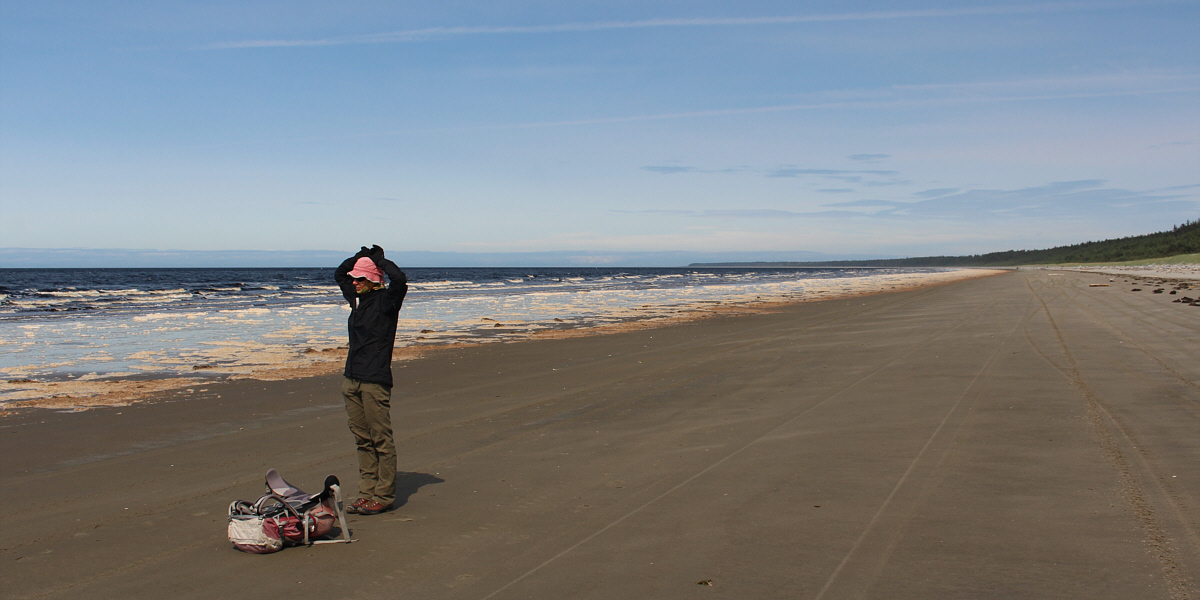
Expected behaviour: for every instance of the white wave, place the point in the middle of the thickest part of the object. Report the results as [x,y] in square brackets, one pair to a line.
[75,293]
[133,292]
[165,316]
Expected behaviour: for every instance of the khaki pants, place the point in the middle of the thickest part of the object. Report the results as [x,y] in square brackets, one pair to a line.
[368,406]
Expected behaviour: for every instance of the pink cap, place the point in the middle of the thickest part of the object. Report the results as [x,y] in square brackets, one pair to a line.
[365,267]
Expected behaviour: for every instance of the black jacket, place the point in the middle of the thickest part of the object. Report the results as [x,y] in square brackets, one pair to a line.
[372,322]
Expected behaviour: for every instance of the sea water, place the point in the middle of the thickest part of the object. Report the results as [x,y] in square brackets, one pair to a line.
[84,324]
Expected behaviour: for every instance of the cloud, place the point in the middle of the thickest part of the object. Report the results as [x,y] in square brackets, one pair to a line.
[1177,188]
[673,169]
[873,178]
[914,96]
[797,172]
[429,33]
[897,97]
[934,193]
[1059,200]
[892,181]
[867,203]
[836,190]
[669,169]
[653,212]
[1179,144]
[752,214]
[869,157]
[1065,199]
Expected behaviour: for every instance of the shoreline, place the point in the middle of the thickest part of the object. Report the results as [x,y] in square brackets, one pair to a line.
[122,389]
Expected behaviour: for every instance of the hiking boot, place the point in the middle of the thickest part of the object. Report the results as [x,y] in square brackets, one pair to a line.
[353,508]
[373,508]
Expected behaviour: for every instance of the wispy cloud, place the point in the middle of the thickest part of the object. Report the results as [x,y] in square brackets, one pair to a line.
[1066,199]
[669,169]
[870,177]
[884,98]
[867,204]
[752,213]
[908,97]
[934,193]
[869,157]
[428,33]
[798,172]
[654,212]
[1180,144]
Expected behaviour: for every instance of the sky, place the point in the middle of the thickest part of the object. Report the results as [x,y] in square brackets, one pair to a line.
[611,131]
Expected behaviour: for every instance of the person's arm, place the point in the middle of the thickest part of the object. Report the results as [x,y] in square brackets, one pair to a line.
[397,280]
[342,276]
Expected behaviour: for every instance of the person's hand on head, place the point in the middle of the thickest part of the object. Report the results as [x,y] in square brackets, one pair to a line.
[376,252]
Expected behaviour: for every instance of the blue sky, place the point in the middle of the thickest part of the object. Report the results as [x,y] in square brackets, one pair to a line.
[611,128]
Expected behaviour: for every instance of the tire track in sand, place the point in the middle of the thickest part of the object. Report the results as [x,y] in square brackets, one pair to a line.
[1157,543]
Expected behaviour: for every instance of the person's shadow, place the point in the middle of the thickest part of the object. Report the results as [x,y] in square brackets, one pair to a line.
[407,484]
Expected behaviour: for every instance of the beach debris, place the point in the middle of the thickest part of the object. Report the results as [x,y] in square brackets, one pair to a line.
[1136,290]
[558,320]
[705,582]
[426,331]
[1097,285]
[498,325]
[22,380]
[487,319]
[1158,291]
[1183,299]
[201,367]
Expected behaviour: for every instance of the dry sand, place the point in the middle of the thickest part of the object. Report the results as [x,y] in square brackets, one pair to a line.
[1172,272]
[1017,436]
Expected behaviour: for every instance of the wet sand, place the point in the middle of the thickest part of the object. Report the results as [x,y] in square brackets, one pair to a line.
[1016,436]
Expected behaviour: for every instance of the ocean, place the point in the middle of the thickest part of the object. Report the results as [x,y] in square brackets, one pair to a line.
[97,324]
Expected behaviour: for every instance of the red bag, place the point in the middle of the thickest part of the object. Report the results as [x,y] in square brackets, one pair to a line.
[319,522]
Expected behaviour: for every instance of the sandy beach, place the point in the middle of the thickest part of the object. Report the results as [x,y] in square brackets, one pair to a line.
[1032,434]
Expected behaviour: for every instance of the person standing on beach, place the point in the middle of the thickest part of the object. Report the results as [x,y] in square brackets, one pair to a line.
[367,388]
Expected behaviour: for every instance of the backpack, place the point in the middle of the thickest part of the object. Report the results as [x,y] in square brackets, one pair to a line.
[286,515]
